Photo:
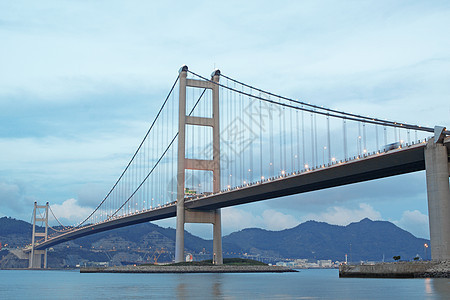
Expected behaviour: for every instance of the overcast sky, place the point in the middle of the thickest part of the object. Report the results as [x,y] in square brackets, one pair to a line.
[80,82]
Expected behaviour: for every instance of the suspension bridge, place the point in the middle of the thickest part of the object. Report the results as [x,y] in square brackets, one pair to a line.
[218,142]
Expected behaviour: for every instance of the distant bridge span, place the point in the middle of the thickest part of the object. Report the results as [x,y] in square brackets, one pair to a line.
[395,162]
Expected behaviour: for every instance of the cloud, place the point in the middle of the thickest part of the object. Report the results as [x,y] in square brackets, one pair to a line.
[414,222]
[275,220]
[13,199]
[343,216]
[70,92]
[237,219]
[55,168]
[90,194]
[395,190]
[70,212]
[9,193]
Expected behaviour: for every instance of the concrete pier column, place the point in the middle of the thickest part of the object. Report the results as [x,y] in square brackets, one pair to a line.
[217,238]
[35,259]
[438,191]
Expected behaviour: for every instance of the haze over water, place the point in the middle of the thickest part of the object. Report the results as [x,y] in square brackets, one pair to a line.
[307,284]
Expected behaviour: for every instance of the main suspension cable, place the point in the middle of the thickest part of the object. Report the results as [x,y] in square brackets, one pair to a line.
[156,164]
[134,155]
[325,112]
[312,105]
[53,214]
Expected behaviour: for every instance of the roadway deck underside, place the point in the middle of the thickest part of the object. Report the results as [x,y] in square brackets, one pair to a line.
[373,167]
[153,215]
[395,162]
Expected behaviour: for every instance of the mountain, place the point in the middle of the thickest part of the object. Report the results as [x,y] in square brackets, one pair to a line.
[145,242]
[15,233]
[364,240]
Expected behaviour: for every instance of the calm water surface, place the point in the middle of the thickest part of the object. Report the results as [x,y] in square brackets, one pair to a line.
[307,284]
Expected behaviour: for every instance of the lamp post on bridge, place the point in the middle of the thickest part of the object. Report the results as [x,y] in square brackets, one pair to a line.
[359,146]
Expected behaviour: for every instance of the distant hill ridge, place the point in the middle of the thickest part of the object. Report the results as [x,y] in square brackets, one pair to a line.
[363,240]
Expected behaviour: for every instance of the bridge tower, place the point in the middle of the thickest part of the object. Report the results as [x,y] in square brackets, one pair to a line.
[35,258]
[198,216]
[437,173]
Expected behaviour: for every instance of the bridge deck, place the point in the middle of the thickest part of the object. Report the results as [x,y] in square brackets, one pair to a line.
[381,165]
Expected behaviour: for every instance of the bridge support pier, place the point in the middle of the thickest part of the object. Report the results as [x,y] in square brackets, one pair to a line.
[217,238]
[198,216]
[438,191]
[35,259]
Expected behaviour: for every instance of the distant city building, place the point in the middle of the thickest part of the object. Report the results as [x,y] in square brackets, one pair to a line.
[306,264]
[325,263]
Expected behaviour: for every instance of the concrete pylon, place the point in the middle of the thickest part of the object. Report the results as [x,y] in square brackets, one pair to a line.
[198,216]
[35,258]
[438,191]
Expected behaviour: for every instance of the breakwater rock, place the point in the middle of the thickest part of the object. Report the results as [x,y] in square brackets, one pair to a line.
[420,269]
[188,269]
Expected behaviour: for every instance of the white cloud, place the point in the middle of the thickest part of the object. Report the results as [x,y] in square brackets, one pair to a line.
[234,219]
[275,220]
[70,211]
[343,216]
[414,222]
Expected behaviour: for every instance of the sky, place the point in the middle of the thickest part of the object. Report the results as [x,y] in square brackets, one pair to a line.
[80,82]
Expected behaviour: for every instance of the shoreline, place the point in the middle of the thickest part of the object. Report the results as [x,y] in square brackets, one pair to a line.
[188,269]
[420,269]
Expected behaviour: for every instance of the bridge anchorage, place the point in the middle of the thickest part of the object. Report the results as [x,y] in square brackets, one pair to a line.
[217,142]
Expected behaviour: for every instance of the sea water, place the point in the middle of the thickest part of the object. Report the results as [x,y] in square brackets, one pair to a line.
[306,284]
